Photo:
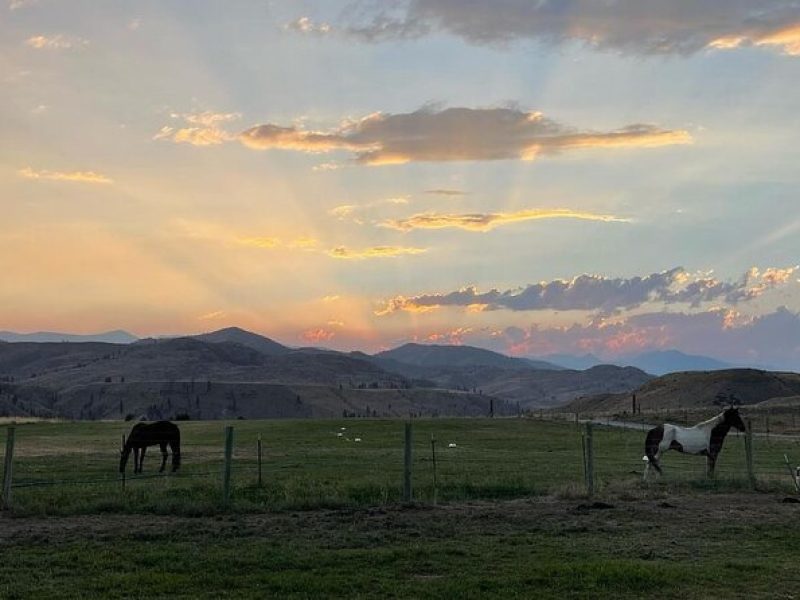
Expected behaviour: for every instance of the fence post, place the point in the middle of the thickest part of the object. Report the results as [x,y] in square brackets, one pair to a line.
[767,423]
[589,461]
[407,495]
[433,460]
[748,448]
[226,473]
[8,466]
[259,460]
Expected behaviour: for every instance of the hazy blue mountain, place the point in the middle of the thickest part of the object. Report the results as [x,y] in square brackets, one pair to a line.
[661,362]
[109,337]
[245,338]
[572,361]
[432,355]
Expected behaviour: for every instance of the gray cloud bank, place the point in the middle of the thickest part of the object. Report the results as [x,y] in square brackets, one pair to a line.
[624,26]
[455,134]
[604,294]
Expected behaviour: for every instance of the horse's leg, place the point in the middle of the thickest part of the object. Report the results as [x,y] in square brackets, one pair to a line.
[710,464]
[135,460]
[141,459]
[176,454]
[163,456]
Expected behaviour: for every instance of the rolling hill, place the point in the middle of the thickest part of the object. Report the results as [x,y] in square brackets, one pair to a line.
[697,389]
[432,355]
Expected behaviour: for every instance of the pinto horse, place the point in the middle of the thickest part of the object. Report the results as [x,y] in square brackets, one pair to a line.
[142,435]
[704,439]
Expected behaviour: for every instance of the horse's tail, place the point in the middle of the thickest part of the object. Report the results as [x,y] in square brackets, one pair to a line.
[651,444]
[176,450]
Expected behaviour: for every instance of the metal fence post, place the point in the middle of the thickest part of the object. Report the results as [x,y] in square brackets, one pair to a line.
[748,448]
[8,467]
[407,494]
[589,461]
[226,473]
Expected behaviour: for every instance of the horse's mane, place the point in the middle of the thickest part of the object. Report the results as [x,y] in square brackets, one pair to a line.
[712,421]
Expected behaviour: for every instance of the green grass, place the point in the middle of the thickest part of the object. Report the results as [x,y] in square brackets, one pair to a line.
[71,468]
[328,521]
[516,549]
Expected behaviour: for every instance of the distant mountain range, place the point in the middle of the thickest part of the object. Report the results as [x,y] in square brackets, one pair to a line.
[235,373]
[655,362]
[109,337]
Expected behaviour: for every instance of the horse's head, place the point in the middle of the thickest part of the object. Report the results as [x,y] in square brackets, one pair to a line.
[734,419]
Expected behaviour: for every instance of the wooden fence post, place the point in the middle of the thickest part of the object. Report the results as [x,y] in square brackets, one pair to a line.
[8,467]
[792,474]
[589,461]
[259,460]
[433,460]
[767,423]
[226,473]
[407,493]
[748,448]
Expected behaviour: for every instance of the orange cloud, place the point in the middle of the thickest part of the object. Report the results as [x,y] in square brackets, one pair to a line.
[787,39]
[78,176]
[315,336]
[205,129]
[488,221]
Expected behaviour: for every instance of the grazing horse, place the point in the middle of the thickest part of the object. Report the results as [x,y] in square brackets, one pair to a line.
[704,439]
[143,435]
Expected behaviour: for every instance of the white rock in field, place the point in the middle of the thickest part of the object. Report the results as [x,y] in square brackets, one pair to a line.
[357,440]
[343,428]
[451,445]
[339,434]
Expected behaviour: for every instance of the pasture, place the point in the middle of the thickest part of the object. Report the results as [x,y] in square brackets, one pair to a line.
[511,518]
[71,468]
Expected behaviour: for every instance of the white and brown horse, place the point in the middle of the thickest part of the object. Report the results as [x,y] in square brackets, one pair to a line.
[703,439]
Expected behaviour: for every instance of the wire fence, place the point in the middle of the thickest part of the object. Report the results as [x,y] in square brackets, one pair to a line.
[369,462]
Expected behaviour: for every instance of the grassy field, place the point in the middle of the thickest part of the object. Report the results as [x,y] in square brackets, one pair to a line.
[71,468]
[688,546]
[512,518]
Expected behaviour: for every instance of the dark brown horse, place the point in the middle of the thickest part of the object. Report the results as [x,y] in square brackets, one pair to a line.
[161,433]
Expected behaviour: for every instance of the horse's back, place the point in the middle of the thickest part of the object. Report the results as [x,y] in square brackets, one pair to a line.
[156,432]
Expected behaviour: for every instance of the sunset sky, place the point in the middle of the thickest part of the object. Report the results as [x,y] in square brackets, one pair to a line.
[532,177]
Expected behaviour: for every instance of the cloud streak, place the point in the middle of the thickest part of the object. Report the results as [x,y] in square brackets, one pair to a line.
[77,176]
[644,27]
[604,294]
[488,221]
[455,134]
[374,252]
[54,42]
